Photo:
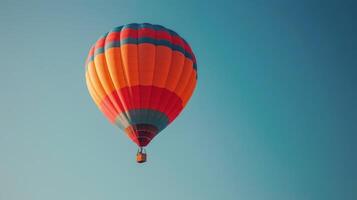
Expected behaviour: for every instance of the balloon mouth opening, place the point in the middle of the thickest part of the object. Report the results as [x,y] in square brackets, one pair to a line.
[143,141]
[141,134]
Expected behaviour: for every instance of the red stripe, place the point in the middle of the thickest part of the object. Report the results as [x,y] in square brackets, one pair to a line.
[100,43]
[145,97]
[90,54]
[143,33]
[164,35]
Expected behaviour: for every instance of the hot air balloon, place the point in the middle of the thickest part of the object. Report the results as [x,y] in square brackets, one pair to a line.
[141,76]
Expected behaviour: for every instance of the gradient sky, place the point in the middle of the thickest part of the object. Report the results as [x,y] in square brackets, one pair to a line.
[273,116]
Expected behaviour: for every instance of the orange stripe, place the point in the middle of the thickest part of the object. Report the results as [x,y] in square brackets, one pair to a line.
[116,72]
[162,66]
[93,94]
[177,63]
[189,89]
[92,75]
[184,78]
[115,67]
[106,108]
[105,80]
[130,63]
[147,61]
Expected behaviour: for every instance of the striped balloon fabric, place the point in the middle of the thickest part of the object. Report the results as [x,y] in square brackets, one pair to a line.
[141,76]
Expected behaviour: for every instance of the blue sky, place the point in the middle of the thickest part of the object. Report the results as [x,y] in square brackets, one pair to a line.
[273,115]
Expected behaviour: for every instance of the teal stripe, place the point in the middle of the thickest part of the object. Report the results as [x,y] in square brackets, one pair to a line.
[136,26]
[142,116]
[153,41]
[150,41]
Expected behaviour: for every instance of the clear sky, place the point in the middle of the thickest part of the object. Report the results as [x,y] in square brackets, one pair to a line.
[273,116]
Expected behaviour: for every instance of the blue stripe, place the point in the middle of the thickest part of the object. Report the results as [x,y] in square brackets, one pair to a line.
[150,41]
[142,116]
[153,41]
[136,26]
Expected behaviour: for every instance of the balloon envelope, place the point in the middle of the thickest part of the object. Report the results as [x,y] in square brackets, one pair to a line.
[141,76]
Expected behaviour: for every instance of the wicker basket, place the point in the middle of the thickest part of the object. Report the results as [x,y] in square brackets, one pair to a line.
[141,157]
